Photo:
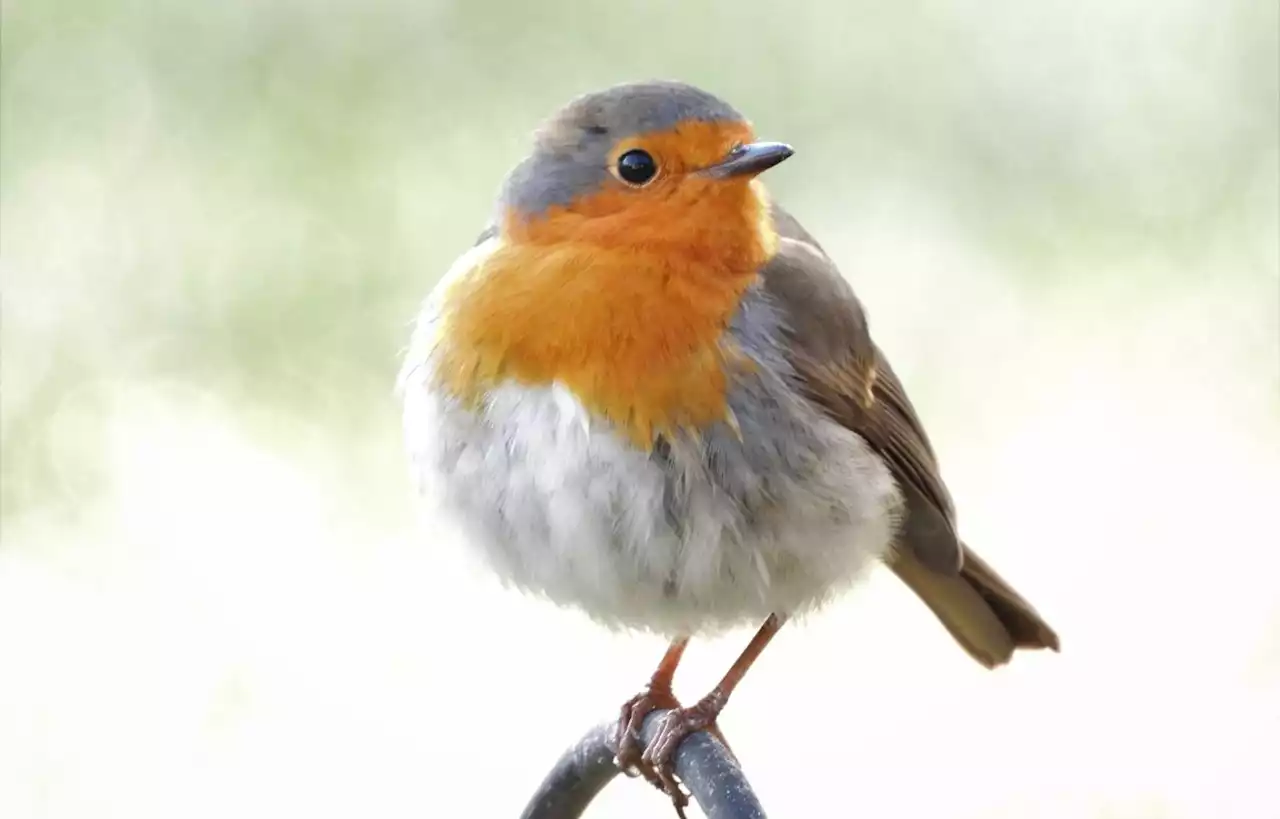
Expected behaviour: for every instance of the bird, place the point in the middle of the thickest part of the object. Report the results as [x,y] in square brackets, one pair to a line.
[647,393]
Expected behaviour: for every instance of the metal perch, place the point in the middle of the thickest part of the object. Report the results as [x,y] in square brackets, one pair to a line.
[706,768]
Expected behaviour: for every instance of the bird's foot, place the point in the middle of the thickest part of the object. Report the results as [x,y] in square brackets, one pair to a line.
[677,724]
[658,759]
[630,756]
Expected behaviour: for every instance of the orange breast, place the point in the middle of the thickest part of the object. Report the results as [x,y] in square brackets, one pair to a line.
[636,333]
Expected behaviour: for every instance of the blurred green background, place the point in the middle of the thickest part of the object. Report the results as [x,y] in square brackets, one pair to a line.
[217,220]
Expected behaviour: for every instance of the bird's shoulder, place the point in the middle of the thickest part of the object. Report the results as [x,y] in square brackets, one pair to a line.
[844,373]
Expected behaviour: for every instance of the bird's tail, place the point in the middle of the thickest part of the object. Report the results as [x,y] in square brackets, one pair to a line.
[983,612]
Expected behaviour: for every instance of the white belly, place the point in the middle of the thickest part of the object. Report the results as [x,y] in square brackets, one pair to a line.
[694,539]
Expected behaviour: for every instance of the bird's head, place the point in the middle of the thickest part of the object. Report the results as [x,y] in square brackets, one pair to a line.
[658,166]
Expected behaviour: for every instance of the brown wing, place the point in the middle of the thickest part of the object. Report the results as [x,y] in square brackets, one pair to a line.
[845,374]
[850,379]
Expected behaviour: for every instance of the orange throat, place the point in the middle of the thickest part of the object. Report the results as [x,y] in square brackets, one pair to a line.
[636,330]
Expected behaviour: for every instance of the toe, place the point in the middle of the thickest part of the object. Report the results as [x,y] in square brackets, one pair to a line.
[626,733]
[675,727]
[669,785]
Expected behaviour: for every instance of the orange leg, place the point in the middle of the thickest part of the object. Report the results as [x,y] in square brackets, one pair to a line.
[656,696]
[679,722]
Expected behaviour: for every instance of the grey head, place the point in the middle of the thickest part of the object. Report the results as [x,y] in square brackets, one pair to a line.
[571,150]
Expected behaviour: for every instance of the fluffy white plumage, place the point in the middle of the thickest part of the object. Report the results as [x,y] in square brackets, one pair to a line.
[715,533]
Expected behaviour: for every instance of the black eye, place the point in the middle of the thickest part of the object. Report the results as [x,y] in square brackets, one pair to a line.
[636,167]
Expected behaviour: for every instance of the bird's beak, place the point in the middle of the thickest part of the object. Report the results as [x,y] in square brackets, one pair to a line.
[749,160]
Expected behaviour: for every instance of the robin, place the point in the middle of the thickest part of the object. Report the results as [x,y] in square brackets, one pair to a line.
[648,393]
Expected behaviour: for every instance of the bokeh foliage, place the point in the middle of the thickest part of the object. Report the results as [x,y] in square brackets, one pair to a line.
[247,199]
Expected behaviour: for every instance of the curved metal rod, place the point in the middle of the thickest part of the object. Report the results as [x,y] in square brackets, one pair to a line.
[703,764]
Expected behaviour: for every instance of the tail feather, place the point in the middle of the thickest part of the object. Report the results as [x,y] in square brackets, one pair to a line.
[983,613]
